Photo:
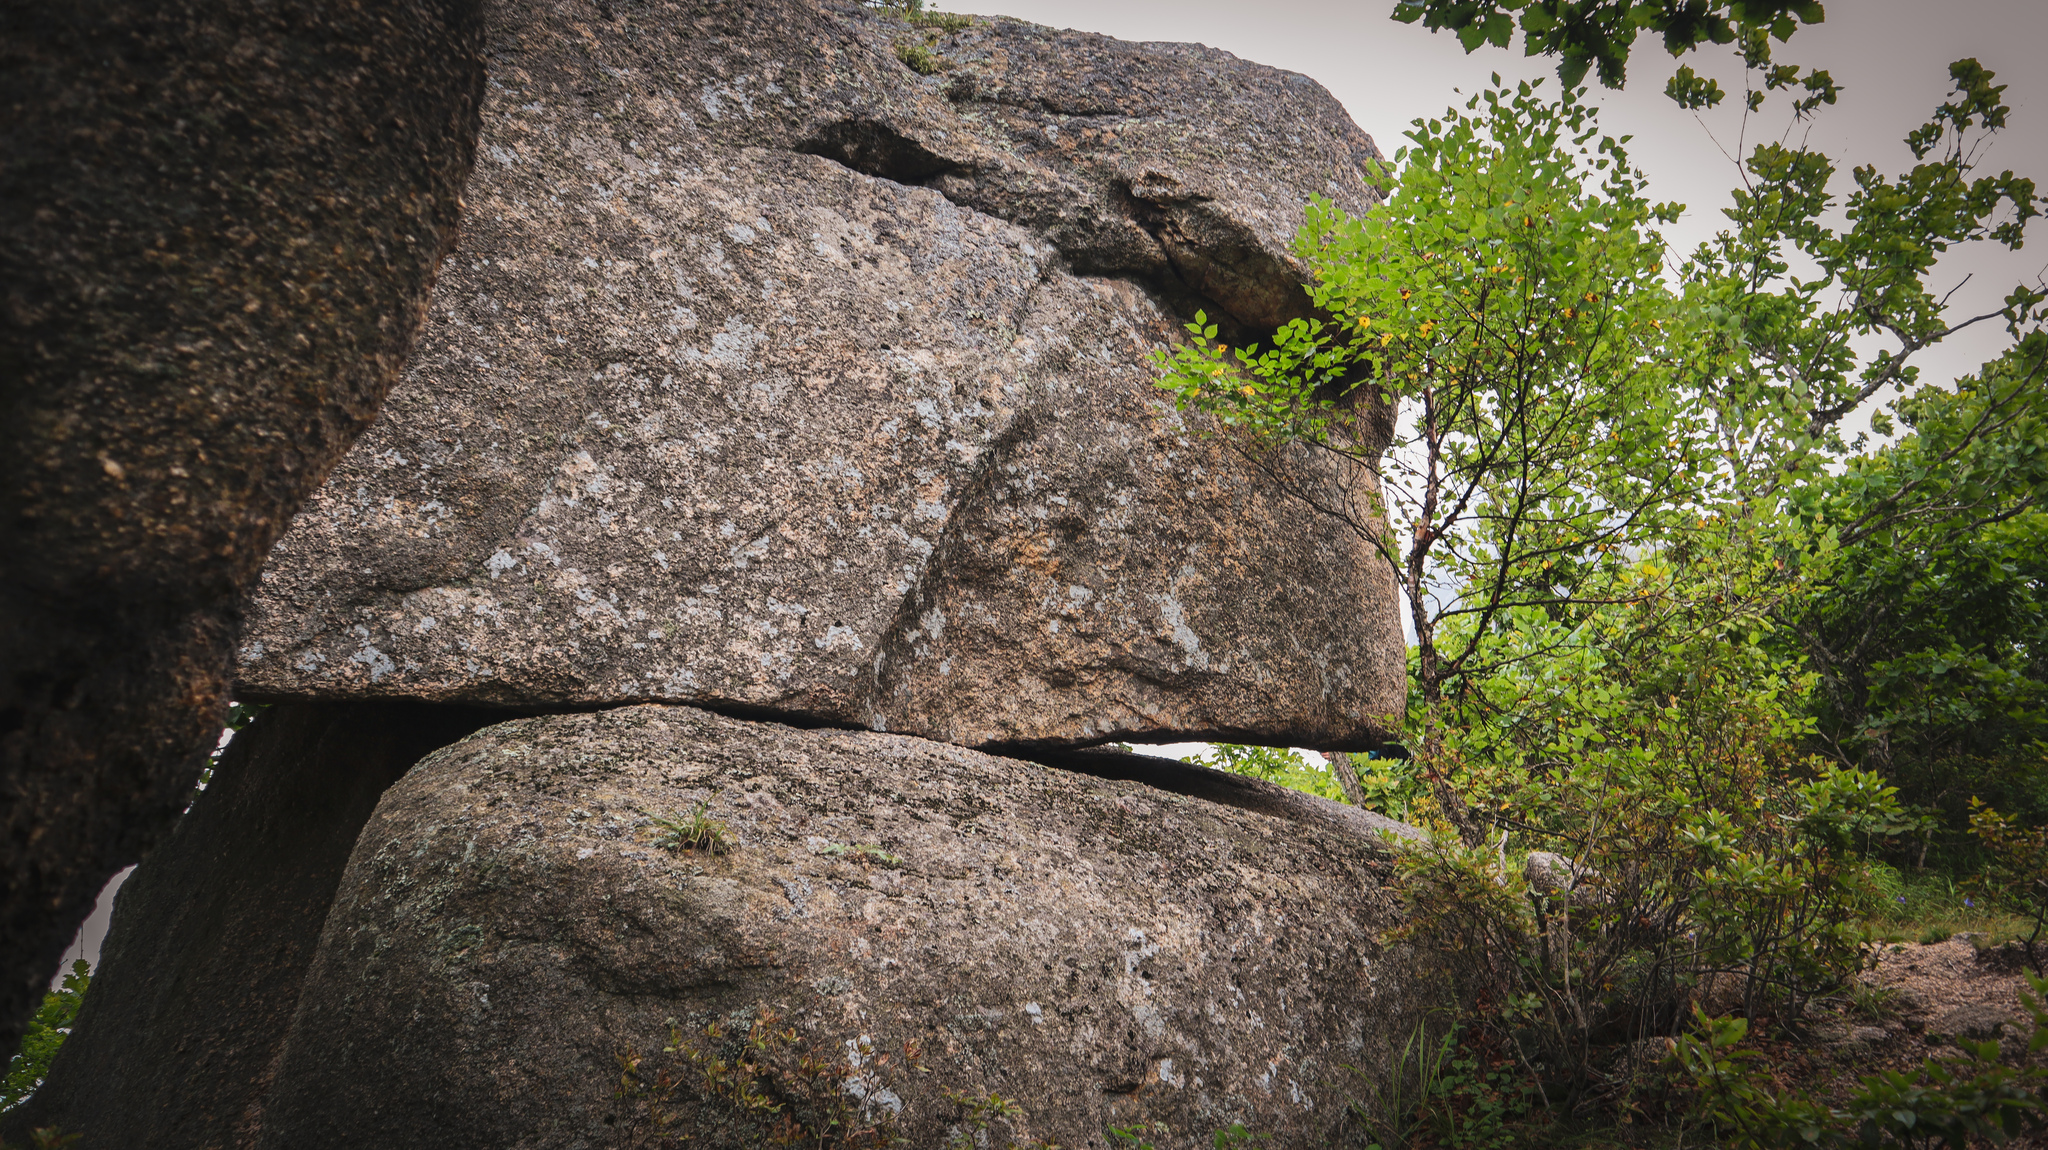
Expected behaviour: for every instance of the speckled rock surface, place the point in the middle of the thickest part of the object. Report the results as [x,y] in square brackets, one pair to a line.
[780,378]
[1105,953]
[219,224]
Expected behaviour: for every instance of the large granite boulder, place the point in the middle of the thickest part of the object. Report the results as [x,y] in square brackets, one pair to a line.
[510,928]
[178,1042]
[219,223]
[780,377]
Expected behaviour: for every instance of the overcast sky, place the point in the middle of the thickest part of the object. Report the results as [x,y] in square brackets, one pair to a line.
[1891,57]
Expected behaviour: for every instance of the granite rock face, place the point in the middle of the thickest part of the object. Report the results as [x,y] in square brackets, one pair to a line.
[1108,954]
[219,225]
[778,377]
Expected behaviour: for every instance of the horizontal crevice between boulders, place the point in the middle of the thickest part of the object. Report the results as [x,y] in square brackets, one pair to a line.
[1226,789]
[1170,775]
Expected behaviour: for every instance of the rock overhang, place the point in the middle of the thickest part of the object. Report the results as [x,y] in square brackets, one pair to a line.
[778,378]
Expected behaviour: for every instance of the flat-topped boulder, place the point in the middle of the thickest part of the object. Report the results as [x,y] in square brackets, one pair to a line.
[778,376]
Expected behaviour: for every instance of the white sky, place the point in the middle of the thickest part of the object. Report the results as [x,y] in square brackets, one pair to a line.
[1890,56]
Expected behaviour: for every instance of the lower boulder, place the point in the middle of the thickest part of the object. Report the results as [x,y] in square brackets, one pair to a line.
[656,924]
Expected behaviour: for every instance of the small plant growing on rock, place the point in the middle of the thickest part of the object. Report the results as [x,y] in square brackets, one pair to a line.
[921,17]
[862,852]
[1873,1000]
[978,1113]
[697,831]
[764,1088]
[921,57]
[1138,1137]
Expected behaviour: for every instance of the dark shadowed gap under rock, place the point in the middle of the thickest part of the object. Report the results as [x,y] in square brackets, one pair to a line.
[875,149]
[212,935]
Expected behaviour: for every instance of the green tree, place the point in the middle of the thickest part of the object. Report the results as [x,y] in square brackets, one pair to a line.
[1929,635]
[1510,292]
[1598,35]
[1921,607]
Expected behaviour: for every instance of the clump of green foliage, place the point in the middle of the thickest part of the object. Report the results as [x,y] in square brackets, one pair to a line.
[766,1087]
[2016,876]
[1596,35]
[46,1032]
[1444,1088]
[1274,765]
[696,831]
[1979,1097]
[863,853]
[978,1112]
[945,23]
[923,56]
[1138,1137]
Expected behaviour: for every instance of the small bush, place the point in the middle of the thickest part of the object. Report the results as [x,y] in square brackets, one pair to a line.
[2015,876]
[945,23]
[46,1032]
[977,1113]
[765,1087]
[696,831]
[1948,1101]
[921,59]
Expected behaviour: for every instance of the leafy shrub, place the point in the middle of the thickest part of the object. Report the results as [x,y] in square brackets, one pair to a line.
[1948,1101]
[1692,840]
[766,1087]
[1273,764]
[978,1112]
[2016,872]
[46,1032]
